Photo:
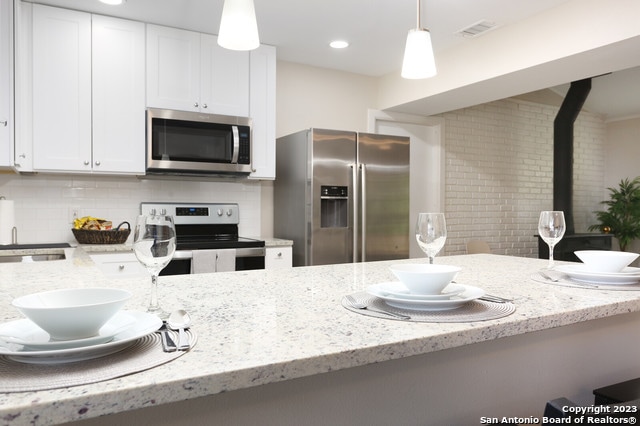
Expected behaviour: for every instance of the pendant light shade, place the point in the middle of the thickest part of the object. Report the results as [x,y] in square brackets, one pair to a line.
[238,26]
[418,54]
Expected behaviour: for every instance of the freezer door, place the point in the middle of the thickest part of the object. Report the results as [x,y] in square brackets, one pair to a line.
[384,205]
[331,229]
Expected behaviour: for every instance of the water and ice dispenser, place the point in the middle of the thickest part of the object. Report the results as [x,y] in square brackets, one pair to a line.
[334,206]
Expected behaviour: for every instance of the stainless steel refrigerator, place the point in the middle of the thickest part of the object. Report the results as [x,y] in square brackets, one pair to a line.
[342,196]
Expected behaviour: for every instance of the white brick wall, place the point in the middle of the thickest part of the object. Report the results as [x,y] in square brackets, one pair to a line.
[42,202]
[499,173]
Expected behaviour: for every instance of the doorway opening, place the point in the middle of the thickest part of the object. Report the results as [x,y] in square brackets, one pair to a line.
[427,161]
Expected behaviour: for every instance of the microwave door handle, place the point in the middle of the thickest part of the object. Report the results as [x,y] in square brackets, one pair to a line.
[236,145]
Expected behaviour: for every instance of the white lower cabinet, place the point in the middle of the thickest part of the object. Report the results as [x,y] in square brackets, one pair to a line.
[119,265]
[278,257]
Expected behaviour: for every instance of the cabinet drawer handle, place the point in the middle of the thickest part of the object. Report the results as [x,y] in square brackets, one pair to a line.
[195,105]
[4,123]
[204,105]
[121,267]
[97,163]
[86,162]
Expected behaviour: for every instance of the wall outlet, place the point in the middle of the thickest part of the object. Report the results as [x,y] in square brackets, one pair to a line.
[74,213]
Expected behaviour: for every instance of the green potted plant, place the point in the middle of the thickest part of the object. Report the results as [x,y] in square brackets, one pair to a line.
[622,217]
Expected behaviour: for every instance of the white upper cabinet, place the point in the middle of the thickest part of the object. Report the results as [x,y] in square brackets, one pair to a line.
[263,112]
[88,93]
[6,83]
[188,71]
[61,89]
[225,78]
[118,95]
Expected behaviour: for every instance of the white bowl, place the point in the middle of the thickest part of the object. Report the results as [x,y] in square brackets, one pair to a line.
[72,313]
[423,278]
[605,260]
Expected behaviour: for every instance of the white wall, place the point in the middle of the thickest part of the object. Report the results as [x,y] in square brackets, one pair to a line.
[316,97]
[622,158]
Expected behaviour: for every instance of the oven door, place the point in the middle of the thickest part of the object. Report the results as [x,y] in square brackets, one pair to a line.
[246,259]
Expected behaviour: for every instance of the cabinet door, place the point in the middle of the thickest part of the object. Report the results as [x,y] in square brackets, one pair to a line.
[6,83]
[118,95]
[263,112]
[278,257]
[224,79]
[61,89]
[119,265]
[173,68]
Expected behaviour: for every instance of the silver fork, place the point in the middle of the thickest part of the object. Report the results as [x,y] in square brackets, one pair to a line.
[495,299]
[360,305]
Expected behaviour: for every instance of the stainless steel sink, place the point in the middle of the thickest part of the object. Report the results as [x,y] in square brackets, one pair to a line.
[24,258]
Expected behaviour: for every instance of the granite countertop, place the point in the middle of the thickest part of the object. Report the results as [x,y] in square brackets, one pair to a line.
[266,326]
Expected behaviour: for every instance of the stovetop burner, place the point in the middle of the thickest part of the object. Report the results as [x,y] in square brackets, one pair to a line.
[239,242]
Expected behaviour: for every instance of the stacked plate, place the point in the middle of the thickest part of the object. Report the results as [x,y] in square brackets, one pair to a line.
[397,295]
[24,341]
[580,272]
[603,267]
[425,287]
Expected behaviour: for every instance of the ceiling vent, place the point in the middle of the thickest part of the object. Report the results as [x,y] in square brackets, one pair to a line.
[477,29]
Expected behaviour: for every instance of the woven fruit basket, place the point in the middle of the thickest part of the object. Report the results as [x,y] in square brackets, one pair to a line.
[110,236]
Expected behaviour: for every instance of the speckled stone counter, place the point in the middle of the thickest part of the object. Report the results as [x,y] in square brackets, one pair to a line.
[280,338]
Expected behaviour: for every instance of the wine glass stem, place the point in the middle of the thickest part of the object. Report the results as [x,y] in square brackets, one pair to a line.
[154,306]
[551,263]
[431,260]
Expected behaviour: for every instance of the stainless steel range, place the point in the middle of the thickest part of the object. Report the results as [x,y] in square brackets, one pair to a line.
[207,226]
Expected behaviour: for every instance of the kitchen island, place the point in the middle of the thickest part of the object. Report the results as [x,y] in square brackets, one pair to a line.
[277,347]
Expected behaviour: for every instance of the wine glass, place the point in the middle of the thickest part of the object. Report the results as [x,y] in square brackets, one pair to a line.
[154,243]
[431,233]
[551,227]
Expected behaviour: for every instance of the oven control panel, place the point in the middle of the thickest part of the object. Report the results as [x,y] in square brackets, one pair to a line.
[196,213]
[192,211]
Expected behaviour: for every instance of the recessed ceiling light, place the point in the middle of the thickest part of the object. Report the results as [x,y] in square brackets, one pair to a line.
[112,2]
[339,44]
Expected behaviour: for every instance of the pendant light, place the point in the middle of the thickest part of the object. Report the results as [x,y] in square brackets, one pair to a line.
[238,26]
[418,53]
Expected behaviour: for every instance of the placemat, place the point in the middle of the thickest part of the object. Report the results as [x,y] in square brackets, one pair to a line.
[476,310]
[565,281]
[143,354]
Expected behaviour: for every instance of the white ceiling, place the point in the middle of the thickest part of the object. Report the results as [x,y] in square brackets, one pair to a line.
[376,29]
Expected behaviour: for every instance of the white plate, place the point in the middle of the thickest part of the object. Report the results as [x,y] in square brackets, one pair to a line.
[578,273]
[581,267]
[143,324]
[397,289]
[470,293]
[31,337]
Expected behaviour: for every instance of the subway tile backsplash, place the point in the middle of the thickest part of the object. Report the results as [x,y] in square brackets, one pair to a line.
[44,204]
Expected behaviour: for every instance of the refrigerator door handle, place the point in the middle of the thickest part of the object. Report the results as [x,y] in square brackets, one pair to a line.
[354,202]
[363,209]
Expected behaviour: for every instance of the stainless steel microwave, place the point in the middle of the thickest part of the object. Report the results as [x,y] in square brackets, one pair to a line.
[182,142]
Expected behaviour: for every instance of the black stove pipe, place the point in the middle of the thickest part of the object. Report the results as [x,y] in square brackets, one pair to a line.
[563,149]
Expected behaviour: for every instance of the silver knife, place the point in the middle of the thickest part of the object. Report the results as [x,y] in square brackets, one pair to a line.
[168,345]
